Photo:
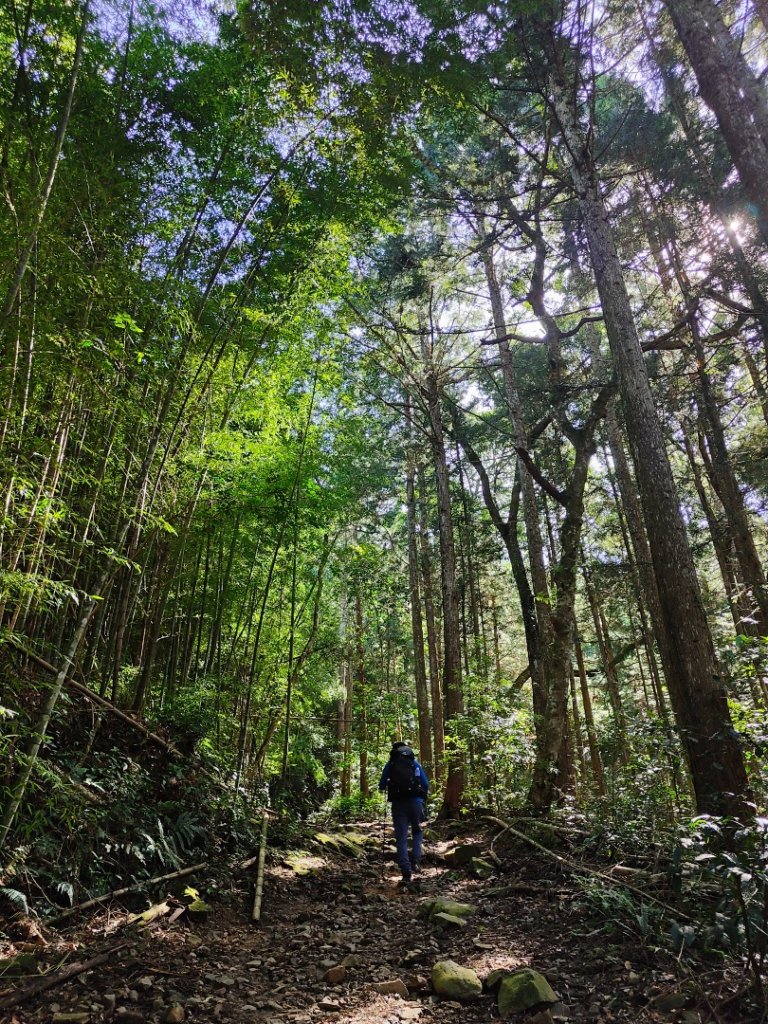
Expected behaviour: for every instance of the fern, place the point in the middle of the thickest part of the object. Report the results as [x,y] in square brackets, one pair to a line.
[67,889]
[18,899]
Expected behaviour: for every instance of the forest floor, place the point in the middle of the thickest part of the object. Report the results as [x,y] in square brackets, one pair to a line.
[327,938]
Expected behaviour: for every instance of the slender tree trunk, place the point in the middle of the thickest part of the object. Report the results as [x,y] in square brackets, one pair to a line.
[419,663]
[436,691]
[452,680]
[362,682]
[29,243]
[589,721]
[20,785]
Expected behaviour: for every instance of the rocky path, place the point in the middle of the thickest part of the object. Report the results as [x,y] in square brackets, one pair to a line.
[345,943]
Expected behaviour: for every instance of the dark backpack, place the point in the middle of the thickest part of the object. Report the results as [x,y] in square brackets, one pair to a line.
[403,775]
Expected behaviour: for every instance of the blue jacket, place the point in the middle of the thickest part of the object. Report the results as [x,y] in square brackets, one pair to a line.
[421,775]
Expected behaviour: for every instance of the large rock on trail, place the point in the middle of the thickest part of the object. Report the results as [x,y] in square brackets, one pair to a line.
[523,990]
[452,981]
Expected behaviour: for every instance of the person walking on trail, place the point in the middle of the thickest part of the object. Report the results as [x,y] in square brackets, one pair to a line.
[406,785]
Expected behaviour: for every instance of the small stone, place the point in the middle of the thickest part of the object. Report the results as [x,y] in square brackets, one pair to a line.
[542,1017]
[147,982]
[174,1014]
[633,978]
[133,996]
[409,1013]
[455,982]
[110,1000]
[130,1017]
[335,975]
[442,920]
[329,1006]
[395,987]
[560,1011]
[416,982]
[224,980]
[669,1001]
[353,960]
[54,1007]
[482,869]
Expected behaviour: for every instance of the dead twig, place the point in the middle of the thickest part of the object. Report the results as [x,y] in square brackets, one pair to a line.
[126,889]
[580,869]
[49,980]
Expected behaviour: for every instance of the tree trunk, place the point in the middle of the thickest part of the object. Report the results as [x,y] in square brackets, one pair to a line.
[589,720]
[730,90]
[419,663]
[436,690]
[452,681]
[698,697]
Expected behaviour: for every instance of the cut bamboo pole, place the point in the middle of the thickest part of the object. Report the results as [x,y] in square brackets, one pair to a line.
[256,914]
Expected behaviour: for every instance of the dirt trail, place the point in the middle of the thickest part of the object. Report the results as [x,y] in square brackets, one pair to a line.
[350,914]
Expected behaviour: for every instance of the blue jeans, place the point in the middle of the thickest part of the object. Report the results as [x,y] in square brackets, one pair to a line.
[408,814]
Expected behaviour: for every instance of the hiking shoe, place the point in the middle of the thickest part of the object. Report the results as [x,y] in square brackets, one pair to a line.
[405,880]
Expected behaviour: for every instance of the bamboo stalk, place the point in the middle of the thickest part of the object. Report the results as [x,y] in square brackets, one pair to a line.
[256,913]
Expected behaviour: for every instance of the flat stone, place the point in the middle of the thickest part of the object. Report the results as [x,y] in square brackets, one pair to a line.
[448,921]
[409,1013]
[225,980]
[481,868]
[394,987]
[429,908]
[328,1006]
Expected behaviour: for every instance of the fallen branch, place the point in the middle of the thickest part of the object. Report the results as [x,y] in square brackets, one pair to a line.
[49,980]
[128,888]
[580,869]
[95,698]
[518,887]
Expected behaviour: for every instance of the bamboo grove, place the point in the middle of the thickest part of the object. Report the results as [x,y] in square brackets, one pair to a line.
[388,368]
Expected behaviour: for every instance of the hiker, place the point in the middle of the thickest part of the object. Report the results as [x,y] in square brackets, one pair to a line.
[406,785]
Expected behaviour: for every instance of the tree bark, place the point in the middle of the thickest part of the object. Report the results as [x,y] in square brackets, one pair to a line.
[731,91]
[419,663]
[697,694]
[452,679]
